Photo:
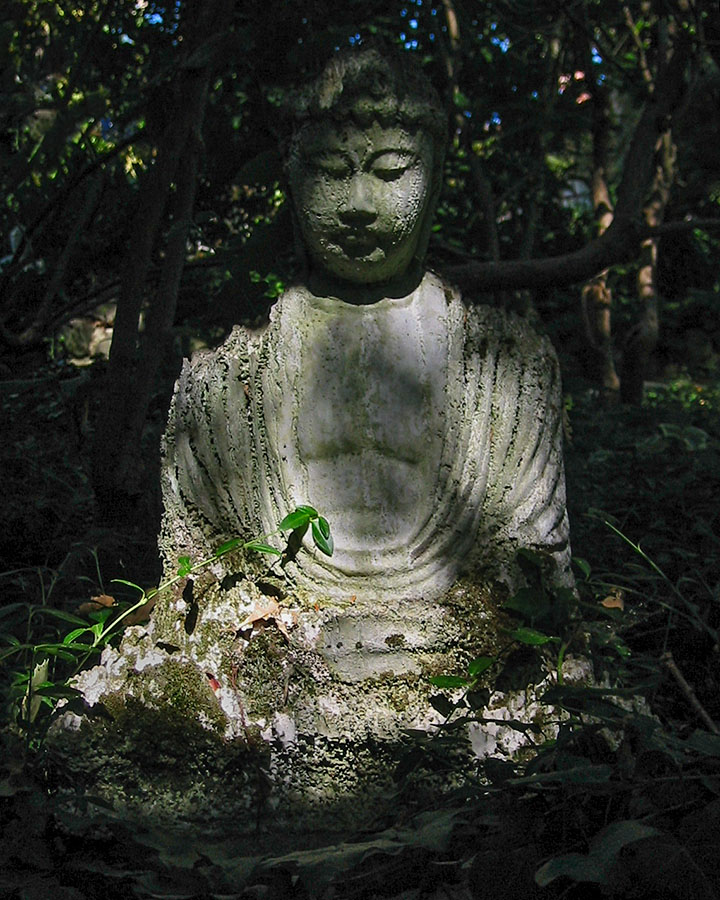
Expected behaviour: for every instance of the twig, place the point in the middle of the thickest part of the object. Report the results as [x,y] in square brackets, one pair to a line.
[670,664]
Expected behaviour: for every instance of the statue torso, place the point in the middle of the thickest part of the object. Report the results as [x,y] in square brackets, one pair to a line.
[425,432]
[361,412]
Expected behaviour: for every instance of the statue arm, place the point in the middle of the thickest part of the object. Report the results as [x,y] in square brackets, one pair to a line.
[518,425]
[206,449]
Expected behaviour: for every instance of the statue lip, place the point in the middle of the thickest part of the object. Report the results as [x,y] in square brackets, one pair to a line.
[358,238]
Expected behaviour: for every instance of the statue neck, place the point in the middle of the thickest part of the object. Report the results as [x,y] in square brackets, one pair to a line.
[323,285]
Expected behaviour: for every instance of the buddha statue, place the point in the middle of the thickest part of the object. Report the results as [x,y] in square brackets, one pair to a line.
[426,429]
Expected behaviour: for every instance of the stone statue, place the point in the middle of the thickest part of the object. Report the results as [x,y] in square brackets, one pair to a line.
[426,430]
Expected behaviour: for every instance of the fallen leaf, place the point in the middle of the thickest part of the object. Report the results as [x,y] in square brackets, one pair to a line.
[615,600]
[102,601]
[142,613]
[263,613]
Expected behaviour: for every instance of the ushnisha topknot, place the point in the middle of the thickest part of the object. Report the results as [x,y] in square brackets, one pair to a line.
[365,84]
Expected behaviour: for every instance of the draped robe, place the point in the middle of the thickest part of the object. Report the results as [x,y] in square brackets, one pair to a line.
[426,431]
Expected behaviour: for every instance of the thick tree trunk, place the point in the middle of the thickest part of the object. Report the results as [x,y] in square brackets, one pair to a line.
[596,295]
[641,340]
[133,364]
[156,339]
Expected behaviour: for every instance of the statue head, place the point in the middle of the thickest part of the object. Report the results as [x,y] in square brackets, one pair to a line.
[365,166]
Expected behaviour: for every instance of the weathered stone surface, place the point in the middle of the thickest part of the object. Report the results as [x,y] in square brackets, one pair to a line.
[292,739]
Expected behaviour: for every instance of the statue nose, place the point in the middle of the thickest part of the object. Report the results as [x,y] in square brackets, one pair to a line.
[359,206]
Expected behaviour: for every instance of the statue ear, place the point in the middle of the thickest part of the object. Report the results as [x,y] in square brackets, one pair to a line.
[289,160]
[433,200]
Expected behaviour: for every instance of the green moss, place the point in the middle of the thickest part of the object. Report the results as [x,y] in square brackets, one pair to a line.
[177,689]
[476,611]
[395,640]
[400,691]
[261,674]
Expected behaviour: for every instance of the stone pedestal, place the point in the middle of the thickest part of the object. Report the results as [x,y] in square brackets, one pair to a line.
[285,733]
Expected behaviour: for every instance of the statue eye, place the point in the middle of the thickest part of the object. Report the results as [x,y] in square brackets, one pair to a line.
[332,165]
[391,166]
[389,173]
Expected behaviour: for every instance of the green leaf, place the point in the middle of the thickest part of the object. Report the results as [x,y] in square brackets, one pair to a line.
[66,654]
[60,614]
[533,557]
[260,547]
[228,546]
[11,607]
[101,615]
[597,864]
[70,637]
[532,637]
[317,869]
[184,565]
[300,516]
[62,649]
[515,724]
[322,537]
[479,665]
[459,99]
[129,584]
[583,565]
[441,704]
[448,681]
[528,601]
[478,700]
[572,865]
[583,774]
[59,691]
[704,742]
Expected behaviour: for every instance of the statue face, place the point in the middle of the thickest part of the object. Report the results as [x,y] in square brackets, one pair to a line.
[360,196]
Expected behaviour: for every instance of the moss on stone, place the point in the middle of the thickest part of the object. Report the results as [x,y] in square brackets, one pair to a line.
[261,672]
[395,640]
[175,689]
[476,611]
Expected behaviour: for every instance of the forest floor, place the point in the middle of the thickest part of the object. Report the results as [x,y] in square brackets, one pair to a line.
[639,818]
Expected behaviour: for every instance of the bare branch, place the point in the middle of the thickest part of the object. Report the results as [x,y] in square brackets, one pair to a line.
[644,67]
[619,244]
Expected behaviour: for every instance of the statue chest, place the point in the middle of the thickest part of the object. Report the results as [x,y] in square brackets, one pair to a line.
[358,411]
[372,384]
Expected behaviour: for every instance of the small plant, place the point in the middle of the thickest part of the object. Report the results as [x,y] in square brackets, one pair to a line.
[34,687]
[274,285]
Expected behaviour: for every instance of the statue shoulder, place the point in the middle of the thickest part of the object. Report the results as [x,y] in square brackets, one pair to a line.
[242,344]
[506,332]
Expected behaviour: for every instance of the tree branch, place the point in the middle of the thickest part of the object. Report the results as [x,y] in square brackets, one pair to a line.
[619,244]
